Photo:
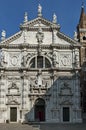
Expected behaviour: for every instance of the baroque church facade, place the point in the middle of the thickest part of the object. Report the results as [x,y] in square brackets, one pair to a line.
[40,74]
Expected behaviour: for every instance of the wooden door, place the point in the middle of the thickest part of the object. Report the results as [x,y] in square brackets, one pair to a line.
[13,114]
[66,114]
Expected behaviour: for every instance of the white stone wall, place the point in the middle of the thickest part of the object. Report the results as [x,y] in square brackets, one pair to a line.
[65,92]
[58,86]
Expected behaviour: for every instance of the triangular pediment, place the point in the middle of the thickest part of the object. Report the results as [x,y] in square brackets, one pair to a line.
[66,40]
[67,102]
[13,86]
[13,102]
[61,40]
[40,20]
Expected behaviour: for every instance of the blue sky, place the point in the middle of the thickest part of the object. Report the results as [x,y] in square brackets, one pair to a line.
[67,11]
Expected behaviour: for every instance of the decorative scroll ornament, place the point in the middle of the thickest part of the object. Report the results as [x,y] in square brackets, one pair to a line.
[25,58]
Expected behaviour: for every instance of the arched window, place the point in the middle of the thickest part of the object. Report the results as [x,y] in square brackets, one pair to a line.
[40,62]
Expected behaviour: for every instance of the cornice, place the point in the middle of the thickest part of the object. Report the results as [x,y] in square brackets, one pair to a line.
[29,25]
[68,39]
[21,69]
[35,46]
[82,29]
[12,38]
[23,45]
[60,46]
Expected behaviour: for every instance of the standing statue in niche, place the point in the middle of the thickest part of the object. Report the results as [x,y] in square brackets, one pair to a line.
[40,35]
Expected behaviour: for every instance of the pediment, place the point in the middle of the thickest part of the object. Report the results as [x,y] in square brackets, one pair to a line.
[13,102]
[39,21]
[67,102]
[66,40]
[13,86]
[61,40]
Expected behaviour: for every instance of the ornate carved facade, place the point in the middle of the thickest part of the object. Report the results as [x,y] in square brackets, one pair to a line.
[40,74]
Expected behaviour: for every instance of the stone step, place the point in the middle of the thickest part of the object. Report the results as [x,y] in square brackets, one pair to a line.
[36,127]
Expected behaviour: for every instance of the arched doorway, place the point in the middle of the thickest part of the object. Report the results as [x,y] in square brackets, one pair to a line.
[39,110]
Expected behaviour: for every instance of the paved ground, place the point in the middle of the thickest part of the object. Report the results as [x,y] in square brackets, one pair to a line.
[63,127]
[43,127]
[15,127]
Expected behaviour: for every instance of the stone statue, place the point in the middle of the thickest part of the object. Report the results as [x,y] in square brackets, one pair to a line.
[54,18]
[26,17]
[39,10]
[3,34]
[75,36]
[40,35]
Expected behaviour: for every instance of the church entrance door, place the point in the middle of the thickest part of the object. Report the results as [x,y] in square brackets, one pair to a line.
[40,110]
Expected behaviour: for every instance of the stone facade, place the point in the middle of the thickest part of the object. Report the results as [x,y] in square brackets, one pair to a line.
[81,36]
[40,74]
